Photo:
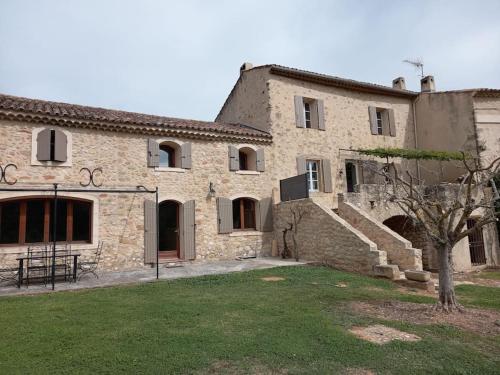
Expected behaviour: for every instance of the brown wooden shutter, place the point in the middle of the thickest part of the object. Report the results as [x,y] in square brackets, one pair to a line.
[372,113]
[188,231]
[327,176]
[225,215]
[153,153]
[60,146]
[150,229]
[234,159]
[300,120]
[301,165]
[43,145]
[261,161]
[321,115]
[392,123]
[265,213]
[186,156]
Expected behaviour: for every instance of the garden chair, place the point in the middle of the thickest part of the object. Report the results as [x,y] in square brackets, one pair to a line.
[63,261]
[90,266]
[37,264]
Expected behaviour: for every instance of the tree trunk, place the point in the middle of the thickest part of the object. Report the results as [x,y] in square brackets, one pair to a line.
[447,298]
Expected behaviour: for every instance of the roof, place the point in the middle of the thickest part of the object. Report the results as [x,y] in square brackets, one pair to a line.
[328,80]
[64,114]
[477,92]
[324,79]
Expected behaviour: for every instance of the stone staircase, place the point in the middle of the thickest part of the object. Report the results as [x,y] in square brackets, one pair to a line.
[400,252]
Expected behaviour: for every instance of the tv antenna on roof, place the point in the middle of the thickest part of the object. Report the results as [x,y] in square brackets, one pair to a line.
[418,64]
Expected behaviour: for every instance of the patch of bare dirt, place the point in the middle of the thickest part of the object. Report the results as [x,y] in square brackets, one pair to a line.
[380,334]
[231,368]
[359,371]
[484,322]
[272,278]
[476,278]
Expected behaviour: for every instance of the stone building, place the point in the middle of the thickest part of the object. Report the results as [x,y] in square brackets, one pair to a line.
[219,181]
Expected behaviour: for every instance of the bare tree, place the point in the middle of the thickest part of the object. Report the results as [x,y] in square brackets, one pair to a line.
[443,210]
[296,215]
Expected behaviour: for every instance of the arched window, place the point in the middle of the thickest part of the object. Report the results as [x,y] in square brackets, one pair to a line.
[169,155]
[31,220]
[244,214]
[248,159]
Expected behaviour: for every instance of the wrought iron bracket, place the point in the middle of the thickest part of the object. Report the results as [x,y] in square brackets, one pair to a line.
[3,174]
[92,174]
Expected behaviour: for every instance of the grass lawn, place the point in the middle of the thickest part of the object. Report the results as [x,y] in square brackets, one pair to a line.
[233,324]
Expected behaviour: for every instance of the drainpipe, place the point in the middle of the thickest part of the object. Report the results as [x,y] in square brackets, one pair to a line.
[413,104]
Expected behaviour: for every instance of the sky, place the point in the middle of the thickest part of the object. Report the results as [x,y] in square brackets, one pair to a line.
[182,58]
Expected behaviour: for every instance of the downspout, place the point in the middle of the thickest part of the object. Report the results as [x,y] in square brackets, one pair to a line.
[413,104]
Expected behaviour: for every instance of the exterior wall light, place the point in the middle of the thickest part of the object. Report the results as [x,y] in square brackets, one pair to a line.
[211,190]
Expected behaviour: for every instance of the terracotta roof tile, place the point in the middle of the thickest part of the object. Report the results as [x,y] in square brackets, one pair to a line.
[26,106]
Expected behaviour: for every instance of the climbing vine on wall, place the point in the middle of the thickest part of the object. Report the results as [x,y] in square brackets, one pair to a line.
[414,154]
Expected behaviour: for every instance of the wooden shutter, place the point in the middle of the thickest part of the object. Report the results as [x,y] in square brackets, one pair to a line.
[265,215]
[150,236]
[321,114]
[60,146]
[392,123]
[153,153]
[188,231]
[234,159]
[372,113]
[261,161]
[186,156]
[327,176]
[300,120]
[301,165]
[225,215]
[43,145]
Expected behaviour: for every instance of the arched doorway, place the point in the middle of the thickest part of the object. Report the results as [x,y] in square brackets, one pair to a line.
[169,233]
[416,234]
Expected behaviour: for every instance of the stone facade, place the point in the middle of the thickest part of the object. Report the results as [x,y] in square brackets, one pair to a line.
[118,219]
[261,104]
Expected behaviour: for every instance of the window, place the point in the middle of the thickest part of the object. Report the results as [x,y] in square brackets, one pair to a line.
[246,158]
[52,145]
[307,114]
[26,221]
[167,156]
[380,123]
[351,176]
[312,170]
[244,214]
[243,161]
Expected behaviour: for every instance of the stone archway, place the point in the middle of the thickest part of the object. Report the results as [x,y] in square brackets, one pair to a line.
[416,234]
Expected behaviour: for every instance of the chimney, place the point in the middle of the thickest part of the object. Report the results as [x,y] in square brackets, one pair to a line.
[399,83]
[246,66]
[427,84]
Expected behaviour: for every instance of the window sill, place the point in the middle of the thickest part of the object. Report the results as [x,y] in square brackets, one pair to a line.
[248,172]
[169,169]
[243,233]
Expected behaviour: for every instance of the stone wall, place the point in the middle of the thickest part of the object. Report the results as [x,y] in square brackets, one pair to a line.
[120,217]
[399,250]
[265,100]
[323,236]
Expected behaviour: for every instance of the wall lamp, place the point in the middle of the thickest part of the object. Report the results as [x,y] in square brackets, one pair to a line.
[211,190]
